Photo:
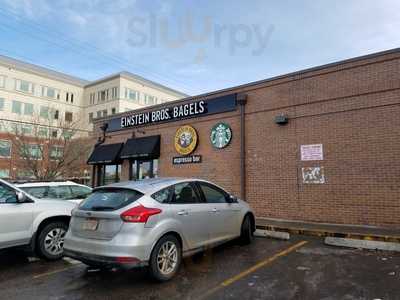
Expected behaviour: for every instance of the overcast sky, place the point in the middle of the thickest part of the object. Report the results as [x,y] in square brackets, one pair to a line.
[195,46]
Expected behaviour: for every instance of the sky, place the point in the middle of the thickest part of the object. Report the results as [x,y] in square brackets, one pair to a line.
[195,46]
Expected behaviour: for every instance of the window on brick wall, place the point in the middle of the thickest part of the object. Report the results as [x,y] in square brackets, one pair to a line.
[4,173]
[16,107]
[44,112]
[24,86]
[32,151]
[132,95]
[68,116]
[149,99]
[114,93]
[26,129]
[50,92]
[28,109]
[102,96]
[54,133]
[2,81]
[56,152]
[43,132]
[5,148]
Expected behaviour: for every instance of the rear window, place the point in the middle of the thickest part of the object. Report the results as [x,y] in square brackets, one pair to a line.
[110,199]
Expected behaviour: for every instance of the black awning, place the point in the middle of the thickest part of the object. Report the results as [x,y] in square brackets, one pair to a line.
[105,154]
[145,147]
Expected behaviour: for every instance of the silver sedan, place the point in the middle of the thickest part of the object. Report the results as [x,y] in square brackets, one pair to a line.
[154,223]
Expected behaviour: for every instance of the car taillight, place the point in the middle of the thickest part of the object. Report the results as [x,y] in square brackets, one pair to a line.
[139,214]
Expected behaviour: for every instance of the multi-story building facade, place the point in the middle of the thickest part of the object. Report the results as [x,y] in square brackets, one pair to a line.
[37,101]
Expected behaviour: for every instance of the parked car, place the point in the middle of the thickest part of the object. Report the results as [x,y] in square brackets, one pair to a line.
[28,221]
[65,190]
[154,223]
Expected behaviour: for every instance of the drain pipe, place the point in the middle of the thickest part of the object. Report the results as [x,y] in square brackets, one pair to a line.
[100,141]
[242,100]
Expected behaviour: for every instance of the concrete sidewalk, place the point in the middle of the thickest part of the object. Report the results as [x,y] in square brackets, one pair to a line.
[335,230]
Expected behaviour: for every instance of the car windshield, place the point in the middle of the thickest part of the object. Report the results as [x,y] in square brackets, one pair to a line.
[110,199]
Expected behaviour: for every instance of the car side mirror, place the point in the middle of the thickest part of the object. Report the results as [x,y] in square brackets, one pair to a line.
[21,197]
[232,199]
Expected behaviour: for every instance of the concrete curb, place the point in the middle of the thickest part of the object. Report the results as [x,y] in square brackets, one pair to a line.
[363,244]
[272,234]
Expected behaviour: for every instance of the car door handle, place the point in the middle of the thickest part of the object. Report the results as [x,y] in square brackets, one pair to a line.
[214,210]
[183,213]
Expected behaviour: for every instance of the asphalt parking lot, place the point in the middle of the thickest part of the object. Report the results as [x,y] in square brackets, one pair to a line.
[302,268]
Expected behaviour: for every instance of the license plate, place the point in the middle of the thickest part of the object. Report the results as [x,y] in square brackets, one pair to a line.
[90,224]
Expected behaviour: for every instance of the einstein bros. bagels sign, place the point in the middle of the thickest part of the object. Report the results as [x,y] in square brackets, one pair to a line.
[180,111]
[165,114]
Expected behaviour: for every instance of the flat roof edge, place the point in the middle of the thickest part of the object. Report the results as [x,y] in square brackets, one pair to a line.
[139,79]
[262,81]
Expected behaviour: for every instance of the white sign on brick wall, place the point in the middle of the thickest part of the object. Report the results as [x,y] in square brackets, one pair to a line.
[311,152]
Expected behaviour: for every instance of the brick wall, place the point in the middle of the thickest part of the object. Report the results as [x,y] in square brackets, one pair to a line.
[352,108]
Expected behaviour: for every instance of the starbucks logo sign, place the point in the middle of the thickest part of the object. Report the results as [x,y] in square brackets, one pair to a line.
[221,135]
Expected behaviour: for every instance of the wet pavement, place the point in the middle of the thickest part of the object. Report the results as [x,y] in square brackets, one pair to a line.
[267,269]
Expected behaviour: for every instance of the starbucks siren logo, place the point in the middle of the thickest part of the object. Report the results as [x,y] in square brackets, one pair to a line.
[221,135]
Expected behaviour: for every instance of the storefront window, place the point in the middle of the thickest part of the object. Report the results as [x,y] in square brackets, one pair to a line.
[155,168]
[112,173]
[143,169]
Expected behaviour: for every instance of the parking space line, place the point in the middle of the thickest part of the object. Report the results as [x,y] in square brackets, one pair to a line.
[252,269]
[55,271]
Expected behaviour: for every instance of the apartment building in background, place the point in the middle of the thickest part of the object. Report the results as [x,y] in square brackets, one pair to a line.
[39,101]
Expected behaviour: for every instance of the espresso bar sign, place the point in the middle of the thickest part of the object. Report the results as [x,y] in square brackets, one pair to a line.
[179,111]
[181,160]
[165,114]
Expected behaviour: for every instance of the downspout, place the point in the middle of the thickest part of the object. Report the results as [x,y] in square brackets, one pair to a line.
[100,141]
[241,101]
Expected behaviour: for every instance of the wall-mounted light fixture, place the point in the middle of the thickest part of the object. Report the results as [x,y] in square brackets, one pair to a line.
[102,138]
[281,119]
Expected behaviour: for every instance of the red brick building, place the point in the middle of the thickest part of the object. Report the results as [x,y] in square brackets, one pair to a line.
[319,145]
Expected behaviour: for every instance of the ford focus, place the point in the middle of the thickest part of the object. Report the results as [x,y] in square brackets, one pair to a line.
[154,223]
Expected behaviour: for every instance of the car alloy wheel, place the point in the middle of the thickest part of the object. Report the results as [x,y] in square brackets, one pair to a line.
[54,241]
[167,258]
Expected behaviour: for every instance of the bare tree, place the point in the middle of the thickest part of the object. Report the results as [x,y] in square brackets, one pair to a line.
[52,150]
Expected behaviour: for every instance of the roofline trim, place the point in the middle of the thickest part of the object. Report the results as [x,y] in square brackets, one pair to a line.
[41,71]
[136,78]
[263,81]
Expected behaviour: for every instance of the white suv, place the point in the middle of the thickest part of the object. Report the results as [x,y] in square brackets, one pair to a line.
[28,221]
[63,190]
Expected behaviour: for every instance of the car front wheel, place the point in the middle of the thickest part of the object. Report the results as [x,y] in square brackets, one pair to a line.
[50,243]
[165,258]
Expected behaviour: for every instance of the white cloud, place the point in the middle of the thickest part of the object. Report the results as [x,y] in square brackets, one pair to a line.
[29,8]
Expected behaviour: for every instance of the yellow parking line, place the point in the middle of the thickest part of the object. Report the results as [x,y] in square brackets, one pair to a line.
[55,271]
[254,268]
